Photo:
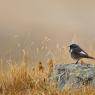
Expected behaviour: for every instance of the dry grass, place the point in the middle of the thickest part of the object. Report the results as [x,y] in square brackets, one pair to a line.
[20,80]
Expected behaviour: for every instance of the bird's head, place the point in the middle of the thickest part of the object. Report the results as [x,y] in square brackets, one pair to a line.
[72,46]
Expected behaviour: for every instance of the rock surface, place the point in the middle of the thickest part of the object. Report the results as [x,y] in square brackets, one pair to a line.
[71,76]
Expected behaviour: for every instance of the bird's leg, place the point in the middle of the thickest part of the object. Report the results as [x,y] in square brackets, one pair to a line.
[77,61]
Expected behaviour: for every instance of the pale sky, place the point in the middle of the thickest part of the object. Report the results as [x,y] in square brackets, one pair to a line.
[33,20]
[77,15]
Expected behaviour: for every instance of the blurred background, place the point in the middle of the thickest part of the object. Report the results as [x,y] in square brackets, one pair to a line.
[44,28]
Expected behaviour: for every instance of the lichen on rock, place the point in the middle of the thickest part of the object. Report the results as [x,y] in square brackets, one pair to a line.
[69,76]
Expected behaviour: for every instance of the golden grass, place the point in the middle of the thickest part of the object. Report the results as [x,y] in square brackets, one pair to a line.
[20,80]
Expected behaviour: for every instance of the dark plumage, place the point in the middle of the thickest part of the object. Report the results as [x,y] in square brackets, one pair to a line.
[77,53]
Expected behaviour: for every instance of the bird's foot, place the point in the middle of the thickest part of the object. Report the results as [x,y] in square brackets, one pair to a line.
[77,62]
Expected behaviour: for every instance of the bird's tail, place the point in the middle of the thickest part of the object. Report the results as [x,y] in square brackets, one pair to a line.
[91,57]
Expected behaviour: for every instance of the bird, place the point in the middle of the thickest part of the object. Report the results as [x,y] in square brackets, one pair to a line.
[78,53]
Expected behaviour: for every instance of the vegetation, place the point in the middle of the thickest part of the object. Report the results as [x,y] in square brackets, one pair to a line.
[25,79]
[22,80]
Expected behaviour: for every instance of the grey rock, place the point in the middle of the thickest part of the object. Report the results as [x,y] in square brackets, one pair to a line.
[69,76]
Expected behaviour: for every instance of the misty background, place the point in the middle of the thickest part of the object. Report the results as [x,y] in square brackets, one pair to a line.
[43,27]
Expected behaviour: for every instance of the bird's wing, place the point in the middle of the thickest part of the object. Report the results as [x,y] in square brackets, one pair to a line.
[81,52]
